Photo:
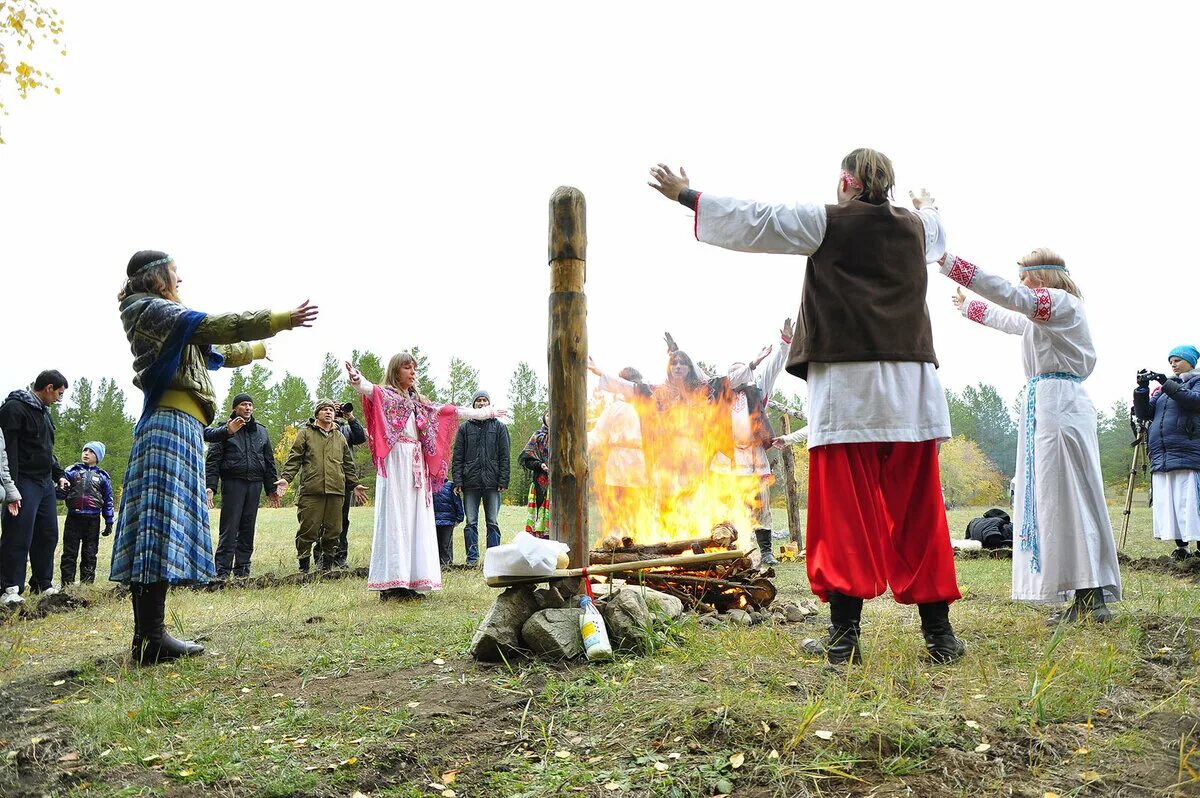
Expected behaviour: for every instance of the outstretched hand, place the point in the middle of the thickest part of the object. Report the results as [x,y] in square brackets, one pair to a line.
[303,315]
[922,200]
[787,330]
[672,347]
[766,350]
[667,183]
[592,367]
[360,494]
[353,374]
[959,299]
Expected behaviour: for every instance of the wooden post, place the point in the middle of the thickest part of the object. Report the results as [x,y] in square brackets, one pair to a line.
[789,481]
[567,365]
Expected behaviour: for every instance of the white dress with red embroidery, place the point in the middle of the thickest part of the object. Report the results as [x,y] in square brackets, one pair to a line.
[1059,488]
[847,402]
[404,548]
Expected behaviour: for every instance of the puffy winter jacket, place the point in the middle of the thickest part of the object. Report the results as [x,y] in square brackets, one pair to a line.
[1174,416]
[246,454]
[90,492]
[448,508]
[481,455]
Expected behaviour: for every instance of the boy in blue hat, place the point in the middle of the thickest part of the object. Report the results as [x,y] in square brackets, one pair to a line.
[88,497]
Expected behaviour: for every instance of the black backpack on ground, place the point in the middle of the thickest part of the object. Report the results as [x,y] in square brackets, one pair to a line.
[994,530]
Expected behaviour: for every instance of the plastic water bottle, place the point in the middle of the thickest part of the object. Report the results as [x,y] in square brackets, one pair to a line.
[595,636]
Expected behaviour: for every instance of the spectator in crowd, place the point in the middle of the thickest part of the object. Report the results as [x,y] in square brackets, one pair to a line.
[480,472]
[321,456]
[448,513]
[536,458]
[355,435]
[31,535]
[88,497]
[240,462]
[10,497]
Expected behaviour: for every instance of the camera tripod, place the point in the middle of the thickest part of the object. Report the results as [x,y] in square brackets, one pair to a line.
[1141,458]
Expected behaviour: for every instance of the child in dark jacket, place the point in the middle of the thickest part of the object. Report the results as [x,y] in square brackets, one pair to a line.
[448,512]
[89,496]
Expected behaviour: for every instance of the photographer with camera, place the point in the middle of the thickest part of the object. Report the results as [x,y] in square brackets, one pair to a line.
[355,434]
[1172,414]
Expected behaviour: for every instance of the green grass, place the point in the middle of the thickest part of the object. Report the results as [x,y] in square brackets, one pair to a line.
[321,689]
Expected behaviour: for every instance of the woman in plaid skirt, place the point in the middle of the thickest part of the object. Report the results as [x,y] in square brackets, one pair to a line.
[163,536]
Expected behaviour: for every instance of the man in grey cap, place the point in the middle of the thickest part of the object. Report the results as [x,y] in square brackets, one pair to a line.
[480,470]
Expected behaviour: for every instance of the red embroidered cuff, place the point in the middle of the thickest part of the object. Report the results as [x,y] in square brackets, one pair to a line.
[1041,311]
[977,311]
[961,272]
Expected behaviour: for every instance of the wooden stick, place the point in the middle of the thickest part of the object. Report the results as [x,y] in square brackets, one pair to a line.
[685,561]
[566,356]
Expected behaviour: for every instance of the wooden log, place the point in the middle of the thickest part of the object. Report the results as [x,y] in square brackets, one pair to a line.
[683,561]
[790,489]
[647,551]
[566,356]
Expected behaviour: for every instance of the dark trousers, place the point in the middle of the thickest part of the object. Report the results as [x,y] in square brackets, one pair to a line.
[32,535]
[239,511]
[445,538]
[491,514]
[79,532]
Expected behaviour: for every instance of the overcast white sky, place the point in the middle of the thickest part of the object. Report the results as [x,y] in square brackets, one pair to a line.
[394,161]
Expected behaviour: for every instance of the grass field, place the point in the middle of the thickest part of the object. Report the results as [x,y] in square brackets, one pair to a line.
[321,689]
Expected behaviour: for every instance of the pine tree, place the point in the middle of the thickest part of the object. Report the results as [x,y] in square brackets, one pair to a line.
[464,382]
[291,403]
[526,401]
[332,383]
[425,384]
[113,427]
[70,420]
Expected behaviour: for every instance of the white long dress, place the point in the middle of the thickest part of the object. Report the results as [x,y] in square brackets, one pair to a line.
[1065,539]
[1176,504]
[404,550]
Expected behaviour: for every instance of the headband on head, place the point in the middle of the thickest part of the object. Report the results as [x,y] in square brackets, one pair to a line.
[154,263]
[851,180]
[1047,267]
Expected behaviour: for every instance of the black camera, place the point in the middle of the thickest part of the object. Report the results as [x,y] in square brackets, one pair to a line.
[344,409]
[1145,376]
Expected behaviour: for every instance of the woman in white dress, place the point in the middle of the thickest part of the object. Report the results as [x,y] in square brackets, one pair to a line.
[1172,416]
[1066,542]
[411,440]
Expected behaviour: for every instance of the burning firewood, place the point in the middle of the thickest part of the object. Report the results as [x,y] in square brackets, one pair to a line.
[614,549]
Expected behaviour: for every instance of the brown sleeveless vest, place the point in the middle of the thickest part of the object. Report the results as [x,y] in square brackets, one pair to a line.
[864,291]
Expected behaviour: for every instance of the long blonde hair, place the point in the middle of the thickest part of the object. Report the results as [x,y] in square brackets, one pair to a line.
[392,377]
[1051,278]
[874,170]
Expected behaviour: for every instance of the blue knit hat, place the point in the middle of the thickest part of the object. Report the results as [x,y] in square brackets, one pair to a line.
[97,449]
[1188,353]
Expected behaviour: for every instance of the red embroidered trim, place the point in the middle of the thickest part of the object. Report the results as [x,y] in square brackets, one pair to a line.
[977,311]
[962,272]
[696,217]
[417,585]
[1042,311]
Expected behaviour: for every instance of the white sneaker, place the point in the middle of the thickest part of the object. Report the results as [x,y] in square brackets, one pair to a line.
[52,590]
[12,595]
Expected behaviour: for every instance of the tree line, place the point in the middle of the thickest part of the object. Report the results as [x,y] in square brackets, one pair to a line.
[977,463]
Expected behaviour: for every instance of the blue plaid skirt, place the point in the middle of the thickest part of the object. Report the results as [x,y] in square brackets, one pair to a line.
[162,530]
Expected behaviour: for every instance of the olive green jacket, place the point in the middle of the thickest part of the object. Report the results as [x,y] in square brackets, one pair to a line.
[149,319]
[323,460]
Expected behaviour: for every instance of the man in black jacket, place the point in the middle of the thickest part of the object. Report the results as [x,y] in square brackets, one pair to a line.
[240,461]
[32,534]
[480,470]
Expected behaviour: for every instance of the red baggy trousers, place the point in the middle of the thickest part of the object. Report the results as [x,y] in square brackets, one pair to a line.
[876,519]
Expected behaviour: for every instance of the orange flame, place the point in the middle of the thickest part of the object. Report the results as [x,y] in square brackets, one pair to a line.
[660,467]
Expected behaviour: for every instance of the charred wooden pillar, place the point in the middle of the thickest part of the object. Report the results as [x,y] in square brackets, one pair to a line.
[789,481]
[567,366]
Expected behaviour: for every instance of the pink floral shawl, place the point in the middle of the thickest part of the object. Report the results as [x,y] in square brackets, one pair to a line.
[387,411]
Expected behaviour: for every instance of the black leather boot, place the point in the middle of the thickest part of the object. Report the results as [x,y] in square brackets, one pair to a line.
[304,565]
[156,645]
[763,537]
[841,645]
[941,645]
[1088,605]
[136,648]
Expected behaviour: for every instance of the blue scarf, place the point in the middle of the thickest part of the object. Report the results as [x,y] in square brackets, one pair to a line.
[162,371]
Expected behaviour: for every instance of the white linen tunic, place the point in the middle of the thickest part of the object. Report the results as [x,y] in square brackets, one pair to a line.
[847,402]
[1064,536]
[750,458]
[618,433]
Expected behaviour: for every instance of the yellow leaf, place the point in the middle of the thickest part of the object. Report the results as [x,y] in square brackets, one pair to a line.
[449,777]
[737,760]
[1088,776]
